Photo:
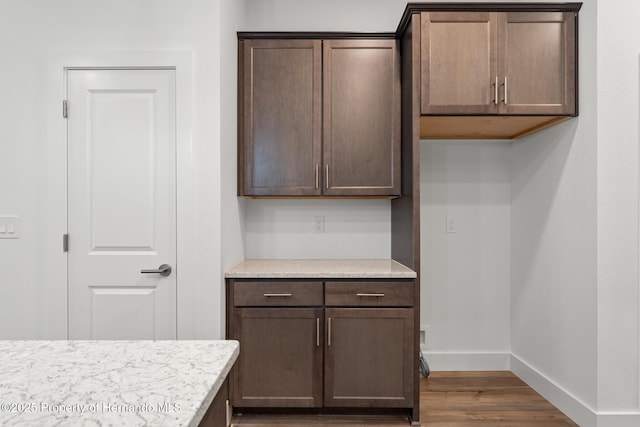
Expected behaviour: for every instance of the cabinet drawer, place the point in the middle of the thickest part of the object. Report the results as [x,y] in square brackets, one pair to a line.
[369,294]
[277,294]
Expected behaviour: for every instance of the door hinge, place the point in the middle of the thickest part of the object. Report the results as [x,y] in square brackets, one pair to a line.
[65,243]
[65,111]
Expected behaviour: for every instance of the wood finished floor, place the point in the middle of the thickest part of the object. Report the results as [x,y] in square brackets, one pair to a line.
[448,399]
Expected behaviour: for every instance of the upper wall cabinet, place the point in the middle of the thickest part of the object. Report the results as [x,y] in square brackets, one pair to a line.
[537,63]
[495,70]
[498,63]
[319,117]
[361,128]
[281,98]
[459,60]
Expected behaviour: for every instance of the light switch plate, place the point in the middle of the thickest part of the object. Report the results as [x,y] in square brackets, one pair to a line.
[9,227]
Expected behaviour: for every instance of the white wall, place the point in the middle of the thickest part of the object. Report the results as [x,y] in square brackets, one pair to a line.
[285,229]
[326,15]
[618,112]
[21,159]
[553,293]
[465,294]
[232,13]
[29,31]
[354,228]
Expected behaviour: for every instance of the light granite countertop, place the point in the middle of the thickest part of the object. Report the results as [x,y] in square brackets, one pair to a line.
[111,383]
[321,269]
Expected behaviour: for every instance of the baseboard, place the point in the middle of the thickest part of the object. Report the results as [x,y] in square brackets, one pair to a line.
[616,419]
[559,397]
[572,407]
[445,361]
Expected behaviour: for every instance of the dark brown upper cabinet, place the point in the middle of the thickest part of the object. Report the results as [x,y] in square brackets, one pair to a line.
[495,70]
[319,117]
[536,61]
[281,99]
[459,62]
[361,129]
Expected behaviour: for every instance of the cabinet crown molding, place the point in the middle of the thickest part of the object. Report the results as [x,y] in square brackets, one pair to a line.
[482,7]
[316,35]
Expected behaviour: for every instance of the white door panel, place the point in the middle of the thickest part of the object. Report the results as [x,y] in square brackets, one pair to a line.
[121,312]
[122,203]
[122,209]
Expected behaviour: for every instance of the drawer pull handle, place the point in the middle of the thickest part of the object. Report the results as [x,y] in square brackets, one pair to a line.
[277,295]
[317,332]
[329,332]
[370,295]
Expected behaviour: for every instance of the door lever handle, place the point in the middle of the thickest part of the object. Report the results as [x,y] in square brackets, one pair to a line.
[163,270]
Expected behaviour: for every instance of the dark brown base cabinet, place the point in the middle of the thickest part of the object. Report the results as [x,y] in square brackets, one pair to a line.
[367,360]
[219,412]
[299,350]
[280,364]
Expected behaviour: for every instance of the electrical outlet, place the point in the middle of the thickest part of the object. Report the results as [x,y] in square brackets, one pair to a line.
[425,336]
[451,225]
[318,224]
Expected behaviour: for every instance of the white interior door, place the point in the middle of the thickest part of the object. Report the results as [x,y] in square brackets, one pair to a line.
[121,203]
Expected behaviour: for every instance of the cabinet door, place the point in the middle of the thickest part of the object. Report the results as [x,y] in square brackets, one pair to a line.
[217,414]
[537,63]
[280,361]
[459,63]
[361,118]
[281,117]
[368,358]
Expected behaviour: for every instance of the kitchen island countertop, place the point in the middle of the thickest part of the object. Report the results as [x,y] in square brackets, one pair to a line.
[320,269]
[111,383]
